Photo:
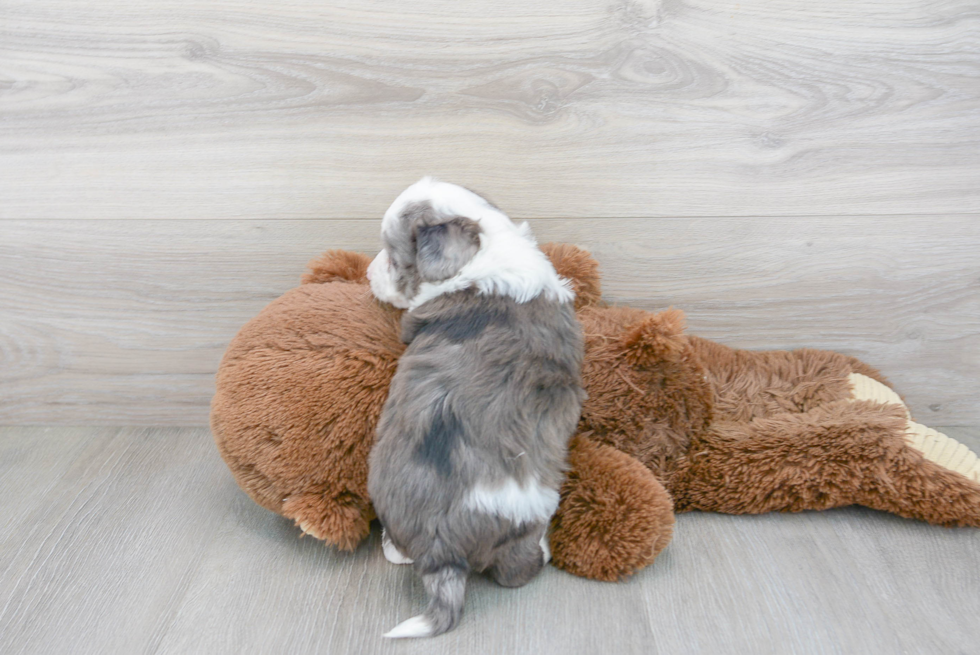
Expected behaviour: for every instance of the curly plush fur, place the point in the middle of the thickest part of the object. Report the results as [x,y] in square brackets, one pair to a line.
[672,423]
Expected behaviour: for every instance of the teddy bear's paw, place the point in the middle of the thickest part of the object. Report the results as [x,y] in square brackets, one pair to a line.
[342,520]
[392,554]
[944,451]
[932,445]
[309,529]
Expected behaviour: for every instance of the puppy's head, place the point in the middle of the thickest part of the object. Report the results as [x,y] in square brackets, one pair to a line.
[439,238]
[421,245]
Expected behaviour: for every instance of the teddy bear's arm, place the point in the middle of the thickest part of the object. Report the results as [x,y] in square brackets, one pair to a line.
[614,516]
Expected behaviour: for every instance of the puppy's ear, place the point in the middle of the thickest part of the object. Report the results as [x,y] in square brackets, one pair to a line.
[445,248]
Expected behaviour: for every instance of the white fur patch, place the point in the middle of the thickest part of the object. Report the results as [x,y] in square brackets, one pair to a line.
[508,262]
[417,626]
[392,554]
[520,504]
[382,282]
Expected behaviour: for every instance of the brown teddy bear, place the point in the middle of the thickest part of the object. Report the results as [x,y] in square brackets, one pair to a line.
[672,423]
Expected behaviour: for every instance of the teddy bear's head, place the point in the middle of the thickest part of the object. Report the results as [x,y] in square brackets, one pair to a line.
[299,392]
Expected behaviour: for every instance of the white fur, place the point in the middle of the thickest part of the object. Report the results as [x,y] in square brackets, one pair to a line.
[545,548]
[520,504]
[507,263]
[382,283]
[417,626]
[392,554]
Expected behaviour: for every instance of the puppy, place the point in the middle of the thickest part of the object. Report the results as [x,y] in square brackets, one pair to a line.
[472,440]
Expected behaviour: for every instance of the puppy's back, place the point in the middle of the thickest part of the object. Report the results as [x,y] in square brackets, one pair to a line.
[472,441]
[488,390]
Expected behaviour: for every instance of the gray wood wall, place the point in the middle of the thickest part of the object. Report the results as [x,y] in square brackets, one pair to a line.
[789,173]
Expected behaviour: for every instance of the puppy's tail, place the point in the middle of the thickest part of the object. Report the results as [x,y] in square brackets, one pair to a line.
[446,588]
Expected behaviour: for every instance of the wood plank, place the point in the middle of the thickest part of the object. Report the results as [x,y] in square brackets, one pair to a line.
[259,110]
[842,581]
[262,590]
[32,463]
[137,541]
[98,544]
[124,322]
[901,293]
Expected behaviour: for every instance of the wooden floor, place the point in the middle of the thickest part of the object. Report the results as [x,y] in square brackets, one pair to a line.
[136,540]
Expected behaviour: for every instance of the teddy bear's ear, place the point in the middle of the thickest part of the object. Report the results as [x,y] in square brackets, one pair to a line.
[338,265]
[656,338]
[579,268]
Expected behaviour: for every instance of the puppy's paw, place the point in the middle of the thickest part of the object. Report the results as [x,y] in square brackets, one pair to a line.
[545,548]
[392,554]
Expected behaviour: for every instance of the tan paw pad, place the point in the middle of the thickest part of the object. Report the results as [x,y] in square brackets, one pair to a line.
[944,451]
[934,446]
[865,388]
[308,529]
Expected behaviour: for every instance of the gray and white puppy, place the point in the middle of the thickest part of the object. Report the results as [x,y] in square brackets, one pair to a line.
[472,440]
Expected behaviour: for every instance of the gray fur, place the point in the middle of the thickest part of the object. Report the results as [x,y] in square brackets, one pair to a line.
[429,247]
[445,248]
[446,588]
[488,390]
